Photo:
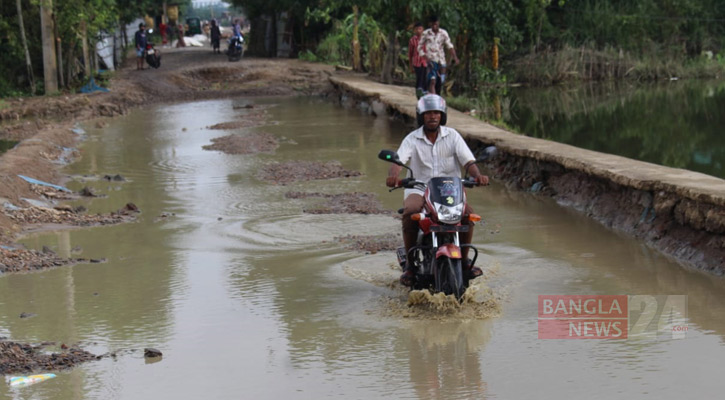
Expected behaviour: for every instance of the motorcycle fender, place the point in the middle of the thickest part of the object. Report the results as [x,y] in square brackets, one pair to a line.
[449,250]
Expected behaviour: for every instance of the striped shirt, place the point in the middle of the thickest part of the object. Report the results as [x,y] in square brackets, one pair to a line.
[431,45]
[445,157]
[415,59]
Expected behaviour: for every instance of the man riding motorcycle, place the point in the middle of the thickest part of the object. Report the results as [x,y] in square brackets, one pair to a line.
[433,150]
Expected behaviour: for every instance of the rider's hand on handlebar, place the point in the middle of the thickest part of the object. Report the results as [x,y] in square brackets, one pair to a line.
[482,180]
[392,181]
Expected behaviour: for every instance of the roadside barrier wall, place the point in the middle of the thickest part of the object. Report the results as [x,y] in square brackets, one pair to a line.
[678,212]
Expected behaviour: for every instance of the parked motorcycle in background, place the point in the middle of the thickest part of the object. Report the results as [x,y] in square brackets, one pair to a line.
[236,48]
[153,56]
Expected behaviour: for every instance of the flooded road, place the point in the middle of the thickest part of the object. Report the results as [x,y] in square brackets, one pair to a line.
[248,296]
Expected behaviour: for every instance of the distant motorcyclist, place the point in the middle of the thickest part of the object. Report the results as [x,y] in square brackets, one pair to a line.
[237,29]
[433,150]
[236,40]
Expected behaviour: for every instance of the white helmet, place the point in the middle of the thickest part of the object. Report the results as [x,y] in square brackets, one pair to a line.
[431,102]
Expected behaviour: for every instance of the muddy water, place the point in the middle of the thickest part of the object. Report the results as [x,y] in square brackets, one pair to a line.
[247,296]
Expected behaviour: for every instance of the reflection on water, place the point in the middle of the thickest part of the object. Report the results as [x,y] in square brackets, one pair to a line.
[245,293]
[677,124]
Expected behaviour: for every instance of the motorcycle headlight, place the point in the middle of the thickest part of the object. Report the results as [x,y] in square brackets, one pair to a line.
[449,214]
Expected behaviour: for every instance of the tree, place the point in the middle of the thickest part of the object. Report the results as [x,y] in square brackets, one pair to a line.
[50,71]
[28,63]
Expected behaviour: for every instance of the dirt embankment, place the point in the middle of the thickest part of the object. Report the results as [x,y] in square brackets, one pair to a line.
[690,231]
[47,126]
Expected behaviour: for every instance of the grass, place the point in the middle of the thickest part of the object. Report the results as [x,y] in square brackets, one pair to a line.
[480,108]
[588,64]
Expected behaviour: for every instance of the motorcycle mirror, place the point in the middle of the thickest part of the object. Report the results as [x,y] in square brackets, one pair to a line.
[390,156]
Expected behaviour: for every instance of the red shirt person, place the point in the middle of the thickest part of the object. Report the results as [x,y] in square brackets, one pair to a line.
[417,62]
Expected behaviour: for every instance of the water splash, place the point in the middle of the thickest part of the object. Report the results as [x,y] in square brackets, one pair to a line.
[479,301]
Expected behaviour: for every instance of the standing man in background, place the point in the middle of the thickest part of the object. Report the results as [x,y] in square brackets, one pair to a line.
[215,36]
[417,63]
[431,46]
[140,42]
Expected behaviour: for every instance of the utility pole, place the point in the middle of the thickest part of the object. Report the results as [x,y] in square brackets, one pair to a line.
[86,52]
[50,68]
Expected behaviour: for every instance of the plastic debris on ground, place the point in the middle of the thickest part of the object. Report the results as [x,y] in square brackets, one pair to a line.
[189,41]
[29,380]
[10,206]
[41,183]
[91,87]
[37,203]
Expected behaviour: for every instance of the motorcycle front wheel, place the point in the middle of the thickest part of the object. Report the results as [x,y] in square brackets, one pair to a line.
[449,277]
[234,54]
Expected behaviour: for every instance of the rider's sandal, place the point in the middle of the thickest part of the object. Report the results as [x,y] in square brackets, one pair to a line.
[408,278]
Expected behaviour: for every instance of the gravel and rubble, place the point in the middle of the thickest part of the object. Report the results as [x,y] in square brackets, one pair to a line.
[244,144]
[17,259]
[344,203]
[66,215]
[24,260]
[294,171]
[19,358]
[245,121]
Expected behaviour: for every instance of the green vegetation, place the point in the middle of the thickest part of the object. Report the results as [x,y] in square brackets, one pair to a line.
[538,42]
[75,21]
[542,42]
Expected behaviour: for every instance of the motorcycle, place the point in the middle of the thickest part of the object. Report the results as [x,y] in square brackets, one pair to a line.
[153,57]
[236,48]
[437,255]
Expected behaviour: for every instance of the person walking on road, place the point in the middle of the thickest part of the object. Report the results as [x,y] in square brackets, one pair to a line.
[431,46]
[417,63]
[180,35]
[140,41]
[162,31]
[215,36]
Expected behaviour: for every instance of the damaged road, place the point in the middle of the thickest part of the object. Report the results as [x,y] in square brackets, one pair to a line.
[18,358]
[48,131]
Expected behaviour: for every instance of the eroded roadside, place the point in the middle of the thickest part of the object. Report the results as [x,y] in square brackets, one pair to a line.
[48,131]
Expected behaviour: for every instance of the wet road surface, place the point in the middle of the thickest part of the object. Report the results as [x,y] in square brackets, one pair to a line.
[248,296]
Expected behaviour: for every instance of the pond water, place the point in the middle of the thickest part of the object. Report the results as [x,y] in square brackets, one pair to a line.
[678,124]
[247,296]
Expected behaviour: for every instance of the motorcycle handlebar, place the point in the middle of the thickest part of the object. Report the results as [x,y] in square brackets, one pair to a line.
[470,182]
[408,183]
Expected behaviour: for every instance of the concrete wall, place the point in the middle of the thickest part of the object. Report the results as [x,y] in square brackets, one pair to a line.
[678,212]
